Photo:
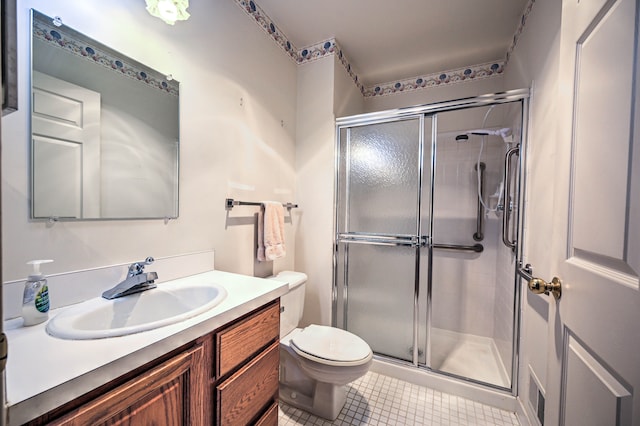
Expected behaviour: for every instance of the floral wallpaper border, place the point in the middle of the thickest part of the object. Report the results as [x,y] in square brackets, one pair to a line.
[475,72]
[268,26]
[329,47]
[64,39]
[518,33]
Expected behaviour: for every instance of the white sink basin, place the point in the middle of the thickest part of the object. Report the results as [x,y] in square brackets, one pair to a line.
[167,304]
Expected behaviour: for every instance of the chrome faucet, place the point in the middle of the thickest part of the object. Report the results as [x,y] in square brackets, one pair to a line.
[137,280]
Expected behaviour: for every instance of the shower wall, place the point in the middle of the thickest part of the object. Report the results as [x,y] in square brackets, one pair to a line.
[505,266]
[464,283]
[504,303]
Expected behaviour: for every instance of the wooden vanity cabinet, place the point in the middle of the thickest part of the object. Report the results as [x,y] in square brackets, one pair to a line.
[227,377]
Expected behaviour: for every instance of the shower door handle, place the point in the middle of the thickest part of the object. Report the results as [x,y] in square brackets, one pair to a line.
[384,240]
[506,199]
[420,241]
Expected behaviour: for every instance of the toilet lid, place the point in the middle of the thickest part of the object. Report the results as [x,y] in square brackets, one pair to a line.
[331,345]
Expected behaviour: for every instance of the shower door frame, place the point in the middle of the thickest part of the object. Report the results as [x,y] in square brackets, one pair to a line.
[417,240]
[431,110]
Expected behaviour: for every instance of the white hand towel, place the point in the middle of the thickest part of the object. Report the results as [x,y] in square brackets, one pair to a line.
[272,233]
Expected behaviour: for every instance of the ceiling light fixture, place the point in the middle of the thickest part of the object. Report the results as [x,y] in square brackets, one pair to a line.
[169,11]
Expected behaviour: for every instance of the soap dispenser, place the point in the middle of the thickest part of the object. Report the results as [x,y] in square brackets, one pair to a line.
[35,303]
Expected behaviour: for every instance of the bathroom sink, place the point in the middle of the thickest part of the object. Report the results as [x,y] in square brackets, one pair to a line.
[167,304]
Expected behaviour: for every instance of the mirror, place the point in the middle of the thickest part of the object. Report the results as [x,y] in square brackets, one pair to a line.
[104,130]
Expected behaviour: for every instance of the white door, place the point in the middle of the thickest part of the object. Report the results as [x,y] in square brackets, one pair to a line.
[66,149]
[594,329]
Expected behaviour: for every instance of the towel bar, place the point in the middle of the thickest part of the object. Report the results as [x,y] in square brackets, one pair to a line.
[229,203]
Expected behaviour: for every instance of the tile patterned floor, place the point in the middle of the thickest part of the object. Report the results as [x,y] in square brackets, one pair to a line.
[381,400]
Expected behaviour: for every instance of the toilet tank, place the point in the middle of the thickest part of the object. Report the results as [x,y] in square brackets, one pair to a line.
[292,303]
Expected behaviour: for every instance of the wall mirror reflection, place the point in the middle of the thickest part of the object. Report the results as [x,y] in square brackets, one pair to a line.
[104,130]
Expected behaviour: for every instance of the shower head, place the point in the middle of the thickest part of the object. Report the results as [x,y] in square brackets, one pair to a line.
[462,138]
[504,133]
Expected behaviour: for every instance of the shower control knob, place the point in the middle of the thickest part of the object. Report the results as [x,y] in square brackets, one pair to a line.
[539,286]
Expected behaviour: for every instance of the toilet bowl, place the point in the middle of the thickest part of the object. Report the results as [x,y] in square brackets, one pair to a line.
[316,362]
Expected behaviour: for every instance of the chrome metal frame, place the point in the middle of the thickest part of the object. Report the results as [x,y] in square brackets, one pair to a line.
[416,290]
[479,235]
[519,249]
[382,239]
[395,114]
[347,196]
[432,179]
[520,95]
[507,199]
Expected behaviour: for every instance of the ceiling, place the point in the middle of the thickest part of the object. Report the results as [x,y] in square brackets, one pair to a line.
[389,40]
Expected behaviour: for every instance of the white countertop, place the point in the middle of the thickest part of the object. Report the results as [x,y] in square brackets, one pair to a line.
[44,372]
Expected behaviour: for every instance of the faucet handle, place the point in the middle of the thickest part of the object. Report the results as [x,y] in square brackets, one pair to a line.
[138,267]
[148,261]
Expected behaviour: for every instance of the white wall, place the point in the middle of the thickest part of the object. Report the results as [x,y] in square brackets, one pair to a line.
[325,91]
[314,167]
[348,99]
[238,126]
[535,64]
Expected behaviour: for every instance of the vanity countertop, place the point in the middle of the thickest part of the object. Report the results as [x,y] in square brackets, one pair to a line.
[44,372]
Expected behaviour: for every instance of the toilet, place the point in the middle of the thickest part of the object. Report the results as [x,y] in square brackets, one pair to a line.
[316,362]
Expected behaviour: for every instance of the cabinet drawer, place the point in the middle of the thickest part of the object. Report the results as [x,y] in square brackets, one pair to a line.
[247,392]
[270,418]
[240,341]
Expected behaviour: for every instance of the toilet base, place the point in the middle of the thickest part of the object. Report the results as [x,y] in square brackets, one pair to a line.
[326,400]
[319,389]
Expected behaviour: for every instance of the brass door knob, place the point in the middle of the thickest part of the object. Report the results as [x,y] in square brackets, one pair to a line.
[539,286]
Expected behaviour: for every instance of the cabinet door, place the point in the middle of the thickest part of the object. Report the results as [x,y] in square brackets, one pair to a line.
[170,394]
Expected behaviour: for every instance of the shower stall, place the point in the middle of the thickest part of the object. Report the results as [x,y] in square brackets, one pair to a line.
[427,235]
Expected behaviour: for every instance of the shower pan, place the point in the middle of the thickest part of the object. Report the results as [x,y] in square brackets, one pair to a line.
[427,235]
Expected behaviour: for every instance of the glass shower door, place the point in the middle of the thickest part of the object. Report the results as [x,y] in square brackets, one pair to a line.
[474,291]
[383,223]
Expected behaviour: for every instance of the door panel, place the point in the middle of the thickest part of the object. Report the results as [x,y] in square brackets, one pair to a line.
[609,401]
[594,335]
[66,119]
[602,129]
[57,177]
[383,221]
[381,296]
[383,177]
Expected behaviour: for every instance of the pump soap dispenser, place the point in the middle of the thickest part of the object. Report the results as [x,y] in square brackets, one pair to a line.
[35,303]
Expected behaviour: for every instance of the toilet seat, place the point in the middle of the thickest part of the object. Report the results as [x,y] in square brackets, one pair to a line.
[331,346]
